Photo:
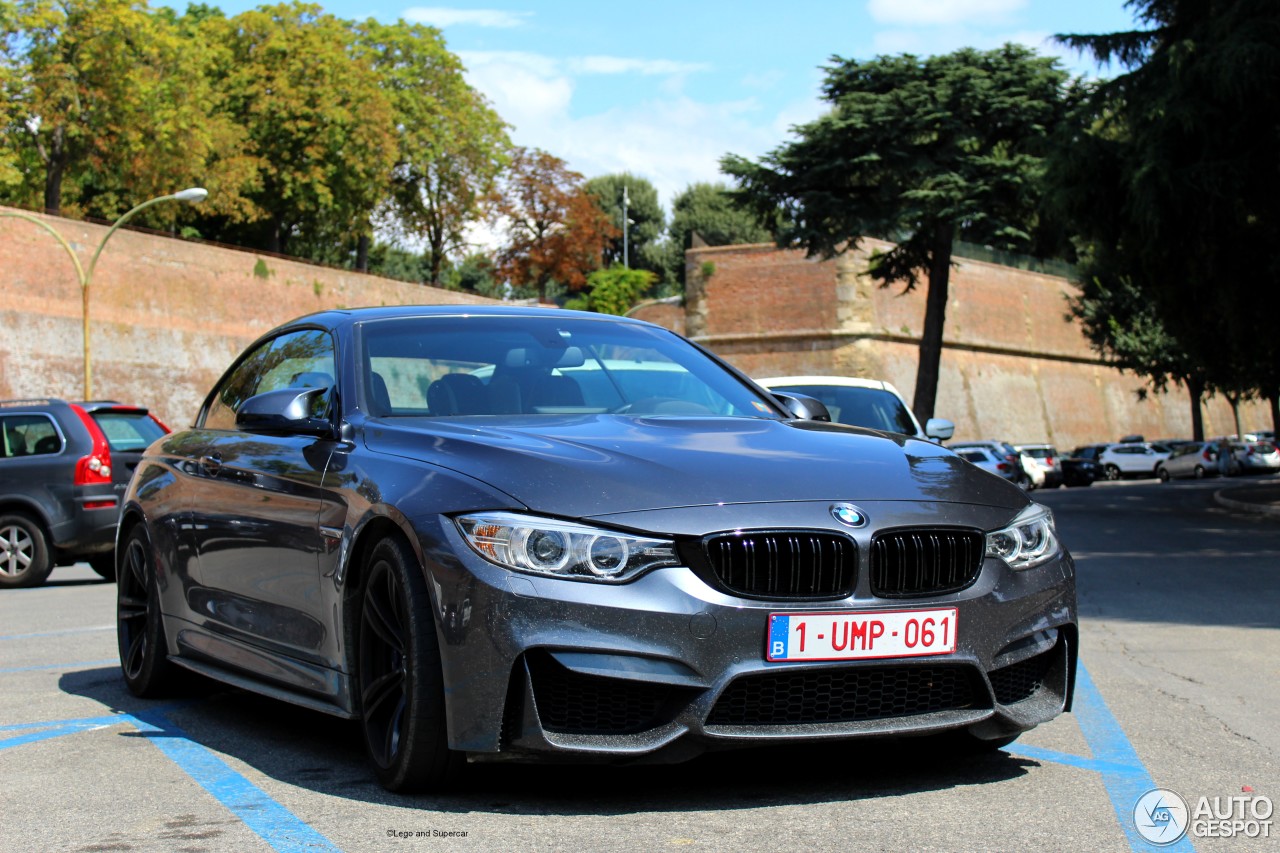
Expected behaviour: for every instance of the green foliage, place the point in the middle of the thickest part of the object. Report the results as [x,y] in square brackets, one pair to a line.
[920,152]
[261,270]
[648,223]
[615,290]
[1173,185]
[710,211]
[103,107]
[318,126]
[451,144]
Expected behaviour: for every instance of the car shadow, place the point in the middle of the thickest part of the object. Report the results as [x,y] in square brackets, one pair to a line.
[324,754]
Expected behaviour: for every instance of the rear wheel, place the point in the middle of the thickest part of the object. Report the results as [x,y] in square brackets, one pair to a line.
[399,679]
[1111,472]
[104,564]
[24,552]
[1199,472]
[144,654]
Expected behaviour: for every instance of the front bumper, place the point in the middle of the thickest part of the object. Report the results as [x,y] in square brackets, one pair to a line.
[667,666]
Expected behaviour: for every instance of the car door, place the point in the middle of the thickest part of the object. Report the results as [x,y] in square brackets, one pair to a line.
[255,509]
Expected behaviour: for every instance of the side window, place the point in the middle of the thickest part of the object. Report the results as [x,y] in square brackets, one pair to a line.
[28,435]
[302,359]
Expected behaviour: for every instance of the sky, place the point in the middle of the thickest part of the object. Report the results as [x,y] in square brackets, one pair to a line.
[664,89]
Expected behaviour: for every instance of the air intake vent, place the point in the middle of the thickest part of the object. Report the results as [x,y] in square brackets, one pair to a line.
[798,564]
[846,695]
[914,562]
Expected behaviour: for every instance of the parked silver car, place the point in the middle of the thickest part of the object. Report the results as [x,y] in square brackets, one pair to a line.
[1197,459]
[1257,457]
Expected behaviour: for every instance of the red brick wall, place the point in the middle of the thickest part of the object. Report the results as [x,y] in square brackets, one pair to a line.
[166,316]
[1013,366]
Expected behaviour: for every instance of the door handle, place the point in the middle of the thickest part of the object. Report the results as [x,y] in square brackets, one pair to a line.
[211,465]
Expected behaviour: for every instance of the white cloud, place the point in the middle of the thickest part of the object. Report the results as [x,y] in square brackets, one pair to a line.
[623,65]
[672,140]
[933,13]
[443,16]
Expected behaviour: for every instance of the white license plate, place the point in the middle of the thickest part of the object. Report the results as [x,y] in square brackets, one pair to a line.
[845,635]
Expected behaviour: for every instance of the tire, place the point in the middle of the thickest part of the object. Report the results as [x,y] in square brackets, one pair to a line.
[104,564]
[144,653]
[399,682]
[24,552]
[1199,472]
[1163,474]
[1111,472]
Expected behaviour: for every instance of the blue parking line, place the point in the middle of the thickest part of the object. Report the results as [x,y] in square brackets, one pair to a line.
[280,828]
[1114,758]
[275,824]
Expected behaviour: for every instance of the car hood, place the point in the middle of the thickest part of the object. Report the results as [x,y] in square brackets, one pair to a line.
[588,465]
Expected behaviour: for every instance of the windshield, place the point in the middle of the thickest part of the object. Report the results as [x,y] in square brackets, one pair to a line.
[481,365]
[873,408]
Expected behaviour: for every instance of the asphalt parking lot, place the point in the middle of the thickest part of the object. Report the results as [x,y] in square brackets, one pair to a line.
[1178,690]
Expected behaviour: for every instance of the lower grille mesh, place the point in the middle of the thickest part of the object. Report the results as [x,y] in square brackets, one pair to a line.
[845,696]
[1021,680]
[571,703]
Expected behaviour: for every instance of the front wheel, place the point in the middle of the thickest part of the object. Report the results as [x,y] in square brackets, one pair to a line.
[400,683]
[1163,474]
[1111,472]
[144,653]
[24,552]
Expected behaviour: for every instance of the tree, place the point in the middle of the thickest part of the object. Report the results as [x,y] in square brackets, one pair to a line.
[451,142]
[710,211]
[1187,137]
[554,230]
[647,221]
[105,105]
[921,152]
[319,127]
[614,290]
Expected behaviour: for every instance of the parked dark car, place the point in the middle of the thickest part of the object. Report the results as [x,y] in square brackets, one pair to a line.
[1083,466]
[63,472]
[500,533]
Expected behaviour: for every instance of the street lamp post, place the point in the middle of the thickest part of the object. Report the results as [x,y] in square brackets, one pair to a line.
[85,274]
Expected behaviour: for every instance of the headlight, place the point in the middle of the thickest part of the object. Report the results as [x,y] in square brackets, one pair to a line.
[1028,542]
[562,549]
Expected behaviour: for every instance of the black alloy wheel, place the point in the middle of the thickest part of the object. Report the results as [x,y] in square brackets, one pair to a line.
[144,654]
[1163,474]
[399,678]
[24,552]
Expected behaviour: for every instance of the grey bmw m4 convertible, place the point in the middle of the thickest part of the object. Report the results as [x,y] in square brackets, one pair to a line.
[511,533]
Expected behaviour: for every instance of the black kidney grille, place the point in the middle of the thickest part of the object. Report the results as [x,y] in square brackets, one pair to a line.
[784,564]
[1020,680]
[571,703]
[845,695]
[925,562]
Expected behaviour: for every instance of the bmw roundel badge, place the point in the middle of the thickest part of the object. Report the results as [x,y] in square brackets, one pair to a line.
[849,515]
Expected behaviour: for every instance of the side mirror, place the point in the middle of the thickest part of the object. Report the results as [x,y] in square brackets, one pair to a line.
[286,411]
[939,428]
[803,407]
